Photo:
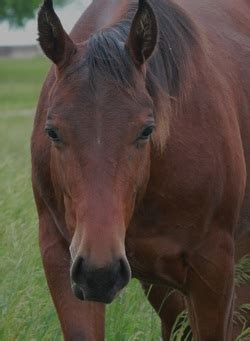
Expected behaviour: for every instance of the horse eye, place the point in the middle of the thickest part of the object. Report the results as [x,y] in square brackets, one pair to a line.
[146,133]
[52,134]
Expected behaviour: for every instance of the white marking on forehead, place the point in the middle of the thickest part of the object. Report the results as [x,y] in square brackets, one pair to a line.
[99,125]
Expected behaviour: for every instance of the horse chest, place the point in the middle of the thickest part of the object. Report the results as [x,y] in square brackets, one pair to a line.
[168,225]
[157,260]
[158,244]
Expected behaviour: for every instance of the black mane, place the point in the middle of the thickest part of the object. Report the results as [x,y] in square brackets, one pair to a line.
[177,39]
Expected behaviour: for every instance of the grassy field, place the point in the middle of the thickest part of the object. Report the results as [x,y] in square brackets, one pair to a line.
[26,309]
[20,83]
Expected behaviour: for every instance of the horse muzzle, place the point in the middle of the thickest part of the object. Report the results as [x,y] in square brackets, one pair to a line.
[99,284]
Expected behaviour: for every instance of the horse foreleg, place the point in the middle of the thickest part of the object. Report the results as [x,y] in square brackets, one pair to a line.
[79,320]
[167,303]
[210,284]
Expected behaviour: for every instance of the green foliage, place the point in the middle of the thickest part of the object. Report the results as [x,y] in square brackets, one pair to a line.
[240,317]
[242,271]
[244,336]
[17,12]
[181,330]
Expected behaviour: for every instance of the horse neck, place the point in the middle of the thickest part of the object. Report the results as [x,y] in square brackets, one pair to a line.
[178,65]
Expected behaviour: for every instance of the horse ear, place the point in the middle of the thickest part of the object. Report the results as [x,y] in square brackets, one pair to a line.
[54,41]
[143,34]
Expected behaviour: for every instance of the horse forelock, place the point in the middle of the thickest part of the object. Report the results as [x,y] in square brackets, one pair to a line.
[170,70]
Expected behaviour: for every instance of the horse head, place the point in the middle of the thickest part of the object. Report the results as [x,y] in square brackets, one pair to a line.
[100,121]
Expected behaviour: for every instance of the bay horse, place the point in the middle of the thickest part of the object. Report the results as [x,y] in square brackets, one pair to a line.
[141,157]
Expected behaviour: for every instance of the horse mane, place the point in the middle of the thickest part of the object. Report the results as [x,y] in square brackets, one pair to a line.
[170,69]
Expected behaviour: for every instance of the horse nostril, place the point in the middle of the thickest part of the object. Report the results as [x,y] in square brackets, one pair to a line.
[77,270]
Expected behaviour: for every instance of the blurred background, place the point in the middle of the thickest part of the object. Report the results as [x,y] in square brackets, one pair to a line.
[26,310]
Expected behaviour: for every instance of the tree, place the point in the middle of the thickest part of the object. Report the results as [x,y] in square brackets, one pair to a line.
[17,12]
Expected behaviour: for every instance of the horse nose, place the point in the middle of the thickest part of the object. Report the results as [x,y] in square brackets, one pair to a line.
[99,284]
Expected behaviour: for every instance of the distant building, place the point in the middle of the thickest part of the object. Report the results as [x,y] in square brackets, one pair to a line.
[29,51]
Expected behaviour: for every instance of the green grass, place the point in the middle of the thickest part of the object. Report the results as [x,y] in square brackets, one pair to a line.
[20,83]
[26,310]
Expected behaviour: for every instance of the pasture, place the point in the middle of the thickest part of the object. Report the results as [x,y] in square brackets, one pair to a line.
[27,312]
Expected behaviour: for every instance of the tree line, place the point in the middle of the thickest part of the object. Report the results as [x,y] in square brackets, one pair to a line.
[18,12]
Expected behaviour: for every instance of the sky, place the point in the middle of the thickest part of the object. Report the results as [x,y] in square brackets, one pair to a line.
[28,35]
